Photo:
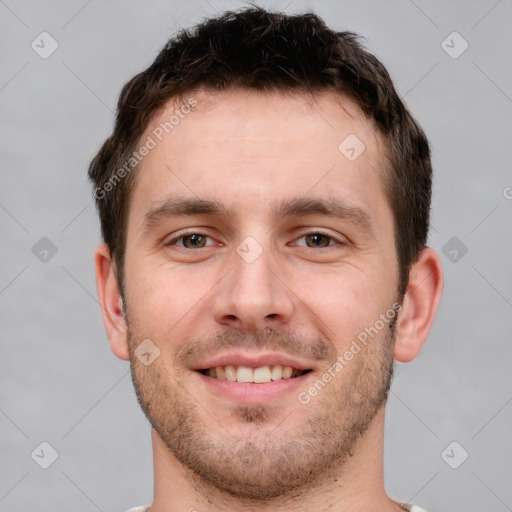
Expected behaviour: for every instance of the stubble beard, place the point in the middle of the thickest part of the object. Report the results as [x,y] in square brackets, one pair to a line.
[274,456]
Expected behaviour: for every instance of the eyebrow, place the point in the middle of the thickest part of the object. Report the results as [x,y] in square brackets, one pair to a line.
[329,207]
[176,206]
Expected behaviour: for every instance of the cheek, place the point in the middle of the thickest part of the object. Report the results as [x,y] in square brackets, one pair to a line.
[344,303]
[162,298]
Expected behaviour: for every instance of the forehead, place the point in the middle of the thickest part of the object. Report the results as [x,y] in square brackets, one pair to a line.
[247,147]
[250,116]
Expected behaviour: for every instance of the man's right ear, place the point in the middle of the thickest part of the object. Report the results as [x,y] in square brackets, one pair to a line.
[111,302]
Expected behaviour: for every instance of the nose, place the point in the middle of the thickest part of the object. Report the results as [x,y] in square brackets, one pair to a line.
[252,296]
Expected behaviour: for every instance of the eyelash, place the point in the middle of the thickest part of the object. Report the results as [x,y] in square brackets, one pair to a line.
[185,235]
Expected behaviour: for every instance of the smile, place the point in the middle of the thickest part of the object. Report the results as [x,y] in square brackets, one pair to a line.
[247,374]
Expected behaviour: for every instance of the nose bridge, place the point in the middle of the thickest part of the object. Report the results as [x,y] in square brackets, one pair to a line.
[252,272]
[253,297]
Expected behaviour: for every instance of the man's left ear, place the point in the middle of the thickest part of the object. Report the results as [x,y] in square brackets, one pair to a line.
[419,306]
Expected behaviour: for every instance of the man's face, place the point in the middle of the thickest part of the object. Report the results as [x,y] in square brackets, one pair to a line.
[274,249]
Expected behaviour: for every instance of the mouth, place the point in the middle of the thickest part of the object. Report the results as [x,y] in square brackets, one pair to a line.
[250,375]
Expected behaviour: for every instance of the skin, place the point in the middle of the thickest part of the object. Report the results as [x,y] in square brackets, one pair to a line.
[309,297]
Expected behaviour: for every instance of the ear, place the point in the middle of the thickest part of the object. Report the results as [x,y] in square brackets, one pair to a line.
[111,302]
[419,306]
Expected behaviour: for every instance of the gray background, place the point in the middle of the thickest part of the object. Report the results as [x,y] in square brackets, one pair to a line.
[60,382]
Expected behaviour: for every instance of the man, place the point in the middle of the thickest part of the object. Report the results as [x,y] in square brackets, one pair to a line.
[264,201]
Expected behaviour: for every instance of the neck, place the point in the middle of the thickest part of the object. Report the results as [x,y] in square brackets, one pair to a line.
[357,486]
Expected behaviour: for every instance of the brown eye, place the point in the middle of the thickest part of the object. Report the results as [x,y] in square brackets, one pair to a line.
[194,241]
[317,240]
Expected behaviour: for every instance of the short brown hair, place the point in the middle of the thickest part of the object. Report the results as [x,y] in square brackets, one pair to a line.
[257,49]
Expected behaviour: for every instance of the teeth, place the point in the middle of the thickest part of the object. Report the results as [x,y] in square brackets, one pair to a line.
[230,372]
[221,374]
[244,374]
[287,372]
[277,373]
[256,375]
[262,374]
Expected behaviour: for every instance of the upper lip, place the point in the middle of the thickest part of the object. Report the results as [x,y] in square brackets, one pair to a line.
[254,360]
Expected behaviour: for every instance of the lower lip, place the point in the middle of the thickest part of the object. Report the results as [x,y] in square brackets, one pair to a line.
[251,393]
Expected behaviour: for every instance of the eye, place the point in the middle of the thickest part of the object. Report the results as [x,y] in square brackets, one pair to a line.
[191,241]
[317,240]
